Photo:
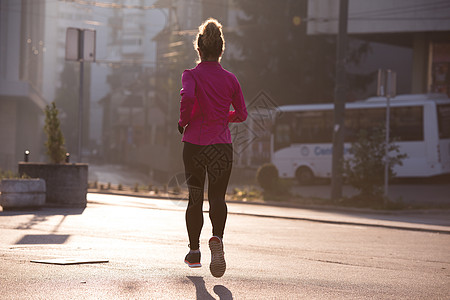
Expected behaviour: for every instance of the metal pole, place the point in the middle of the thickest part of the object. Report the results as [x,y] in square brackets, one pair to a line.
[386,154]
[80,95]
[388,117]
[339,104]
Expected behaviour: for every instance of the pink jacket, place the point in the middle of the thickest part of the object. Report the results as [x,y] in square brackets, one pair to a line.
[207,93]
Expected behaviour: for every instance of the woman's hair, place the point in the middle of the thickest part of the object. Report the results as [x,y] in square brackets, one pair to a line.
[210,40]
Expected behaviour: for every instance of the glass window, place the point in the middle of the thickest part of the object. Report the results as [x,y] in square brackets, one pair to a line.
[407,123]
[351,124]
[444,121]
[282,132]
[362,119]
[308,127]
[312,127]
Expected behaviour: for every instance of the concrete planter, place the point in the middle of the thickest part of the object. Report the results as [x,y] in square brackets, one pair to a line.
[22,193]
[66,184]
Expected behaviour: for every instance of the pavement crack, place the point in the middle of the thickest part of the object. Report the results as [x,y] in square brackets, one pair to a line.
[345,263]
[335,262]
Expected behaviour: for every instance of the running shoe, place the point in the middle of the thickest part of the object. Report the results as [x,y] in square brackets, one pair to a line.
[218,265]
[192,259]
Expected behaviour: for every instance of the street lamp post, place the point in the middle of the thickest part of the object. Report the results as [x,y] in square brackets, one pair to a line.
[80,47]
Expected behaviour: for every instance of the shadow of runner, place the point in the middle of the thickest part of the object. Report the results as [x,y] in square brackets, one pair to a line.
[200,288]
[223,292]
[203,294]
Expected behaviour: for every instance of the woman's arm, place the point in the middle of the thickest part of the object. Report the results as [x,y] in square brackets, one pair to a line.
[240,111]
[187,98]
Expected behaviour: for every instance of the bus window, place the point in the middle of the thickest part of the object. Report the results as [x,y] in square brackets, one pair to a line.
[352,125]
[313,127]
[362,119]
[372,118]
[407,123]
[444,121]
[282,135]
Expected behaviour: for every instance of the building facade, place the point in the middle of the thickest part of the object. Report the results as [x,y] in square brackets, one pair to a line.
[420,25]
[21,69]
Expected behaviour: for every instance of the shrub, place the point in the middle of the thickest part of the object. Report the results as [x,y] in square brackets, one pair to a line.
[246,193]
[267,177]
[365,169]
[8,174]
[56,150]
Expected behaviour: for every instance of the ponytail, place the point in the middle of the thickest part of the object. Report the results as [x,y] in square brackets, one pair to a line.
[210,40]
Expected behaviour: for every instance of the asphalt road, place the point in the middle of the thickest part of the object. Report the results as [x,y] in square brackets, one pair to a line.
[271,253]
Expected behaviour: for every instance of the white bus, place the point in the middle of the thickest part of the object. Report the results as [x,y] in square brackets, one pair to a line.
[301,141]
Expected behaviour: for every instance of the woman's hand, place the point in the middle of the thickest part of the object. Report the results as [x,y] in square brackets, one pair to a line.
[180,129]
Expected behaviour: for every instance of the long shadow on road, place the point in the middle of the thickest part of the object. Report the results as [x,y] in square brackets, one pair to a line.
[203,294]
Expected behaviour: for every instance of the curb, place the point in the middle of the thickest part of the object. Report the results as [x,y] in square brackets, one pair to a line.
[327,221]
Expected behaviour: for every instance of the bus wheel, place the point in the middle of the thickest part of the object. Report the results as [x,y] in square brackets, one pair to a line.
[304,175]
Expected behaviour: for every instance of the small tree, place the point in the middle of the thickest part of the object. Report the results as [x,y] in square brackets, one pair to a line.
[56,150]
[365,169]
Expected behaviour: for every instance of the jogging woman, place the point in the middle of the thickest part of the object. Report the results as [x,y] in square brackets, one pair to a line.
[207,94]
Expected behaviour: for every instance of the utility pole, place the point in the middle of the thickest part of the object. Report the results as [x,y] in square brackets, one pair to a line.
[339,104]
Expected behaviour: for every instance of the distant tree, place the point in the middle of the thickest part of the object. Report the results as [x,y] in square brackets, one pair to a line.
[275,54]
[56,150]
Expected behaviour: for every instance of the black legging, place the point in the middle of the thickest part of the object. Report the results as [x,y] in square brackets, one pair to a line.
[217,161]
